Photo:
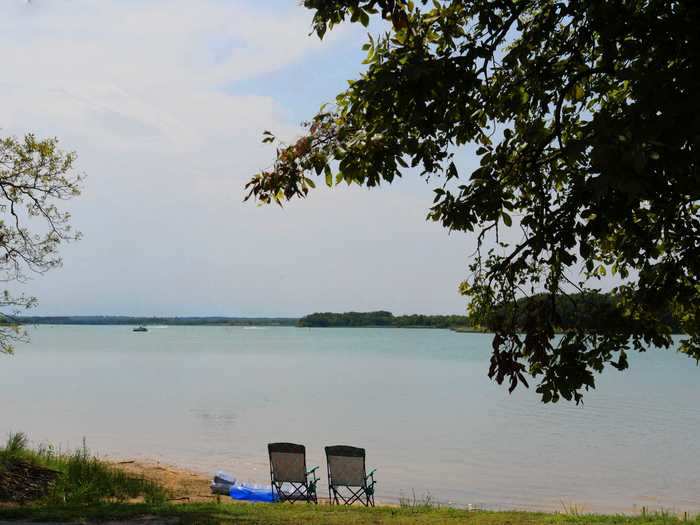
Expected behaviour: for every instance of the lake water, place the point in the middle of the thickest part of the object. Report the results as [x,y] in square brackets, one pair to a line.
[419,401]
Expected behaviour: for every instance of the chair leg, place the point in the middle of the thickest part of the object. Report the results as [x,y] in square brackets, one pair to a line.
[336,501]
[353,496]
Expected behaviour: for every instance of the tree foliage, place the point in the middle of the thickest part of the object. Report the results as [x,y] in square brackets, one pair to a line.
[591,311]
[35,175]
[381,318]
[586,122]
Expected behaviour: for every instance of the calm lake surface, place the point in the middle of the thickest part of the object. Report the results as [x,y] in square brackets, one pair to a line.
[419,401]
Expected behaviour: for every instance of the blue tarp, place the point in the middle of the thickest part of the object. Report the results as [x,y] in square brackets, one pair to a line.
[245,493]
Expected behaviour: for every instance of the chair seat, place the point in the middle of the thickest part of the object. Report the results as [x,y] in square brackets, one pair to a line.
[348,481]
[290,480]
[295,497]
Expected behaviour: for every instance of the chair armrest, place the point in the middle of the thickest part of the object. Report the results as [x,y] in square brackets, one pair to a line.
[370,482]
[371,476]
[313,471]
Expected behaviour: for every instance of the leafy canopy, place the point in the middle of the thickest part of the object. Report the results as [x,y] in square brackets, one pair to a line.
[35,175]
[585,117]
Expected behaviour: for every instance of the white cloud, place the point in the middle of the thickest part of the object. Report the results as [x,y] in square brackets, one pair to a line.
[142,74]
[138,89]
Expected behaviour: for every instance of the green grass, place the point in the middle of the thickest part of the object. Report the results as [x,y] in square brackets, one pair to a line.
[91,490]
[280,514]
[83,478]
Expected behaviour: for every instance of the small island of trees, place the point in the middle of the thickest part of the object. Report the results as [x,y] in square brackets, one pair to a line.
[381,318]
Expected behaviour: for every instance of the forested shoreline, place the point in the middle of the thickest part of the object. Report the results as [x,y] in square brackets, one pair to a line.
[381,318]
[592,311]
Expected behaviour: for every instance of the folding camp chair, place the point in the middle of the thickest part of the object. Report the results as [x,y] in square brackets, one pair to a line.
[347,478]
[290,479]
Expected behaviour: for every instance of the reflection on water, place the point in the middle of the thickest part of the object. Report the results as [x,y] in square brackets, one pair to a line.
[419,401]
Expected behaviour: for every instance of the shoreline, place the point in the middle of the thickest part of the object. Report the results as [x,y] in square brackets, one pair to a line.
[459,329]
[187,485]
[190,501]
[183,484]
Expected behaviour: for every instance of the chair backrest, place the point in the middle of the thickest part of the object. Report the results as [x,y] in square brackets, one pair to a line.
[287,462]
[346,466]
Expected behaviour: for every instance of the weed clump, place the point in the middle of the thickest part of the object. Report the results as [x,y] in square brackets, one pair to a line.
[72,478]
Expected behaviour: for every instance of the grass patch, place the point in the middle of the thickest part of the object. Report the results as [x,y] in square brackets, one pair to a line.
[82,478]
[282,514]
[425,502]
[88,489]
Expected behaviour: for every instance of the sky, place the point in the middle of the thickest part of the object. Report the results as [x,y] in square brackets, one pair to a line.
[165,102]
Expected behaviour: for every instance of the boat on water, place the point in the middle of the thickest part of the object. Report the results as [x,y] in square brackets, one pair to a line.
[140,329]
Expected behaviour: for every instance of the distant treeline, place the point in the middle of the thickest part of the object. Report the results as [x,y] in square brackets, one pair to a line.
[592,311]
[381,318]
[169,321]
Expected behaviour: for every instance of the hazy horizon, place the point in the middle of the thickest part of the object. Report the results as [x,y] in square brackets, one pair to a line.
[225,316]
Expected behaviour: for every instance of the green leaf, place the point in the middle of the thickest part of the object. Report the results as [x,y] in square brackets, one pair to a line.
[364,18]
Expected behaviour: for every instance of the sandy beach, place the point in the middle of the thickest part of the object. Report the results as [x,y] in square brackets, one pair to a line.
[182,484]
